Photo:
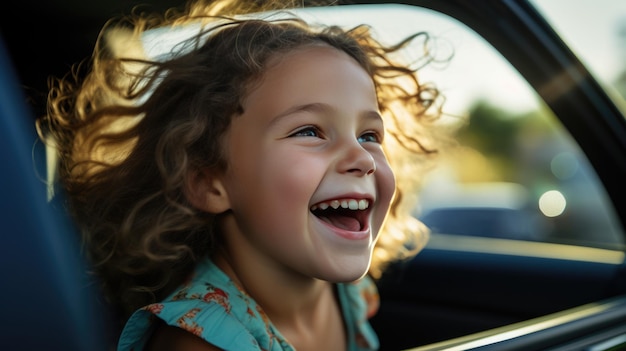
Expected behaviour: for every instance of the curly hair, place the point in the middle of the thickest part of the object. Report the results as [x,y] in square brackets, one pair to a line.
[130,128]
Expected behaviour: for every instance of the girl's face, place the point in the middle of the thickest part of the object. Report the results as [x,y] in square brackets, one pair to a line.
[308,183]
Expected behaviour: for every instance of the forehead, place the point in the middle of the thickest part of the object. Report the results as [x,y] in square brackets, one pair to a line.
[310,71]
[301,53]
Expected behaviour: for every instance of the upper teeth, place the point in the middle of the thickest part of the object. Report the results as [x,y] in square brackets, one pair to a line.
[351,204]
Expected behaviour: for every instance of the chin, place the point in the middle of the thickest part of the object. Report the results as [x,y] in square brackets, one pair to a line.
[347,271]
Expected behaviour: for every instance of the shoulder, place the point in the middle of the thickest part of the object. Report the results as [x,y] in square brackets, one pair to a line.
[210,308]
[166,337]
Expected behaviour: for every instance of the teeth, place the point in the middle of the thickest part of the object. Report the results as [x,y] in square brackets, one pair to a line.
[363,204]
[351,204]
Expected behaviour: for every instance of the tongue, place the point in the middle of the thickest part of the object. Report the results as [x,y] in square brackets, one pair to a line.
[343,222]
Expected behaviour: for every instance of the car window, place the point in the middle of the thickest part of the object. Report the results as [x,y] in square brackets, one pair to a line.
[601,46]
[516,173]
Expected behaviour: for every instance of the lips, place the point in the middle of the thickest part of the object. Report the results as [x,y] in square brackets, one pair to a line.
[348,214]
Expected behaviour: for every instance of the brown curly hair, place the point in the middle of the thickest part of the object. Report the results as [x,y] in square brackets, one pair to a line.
[129,129]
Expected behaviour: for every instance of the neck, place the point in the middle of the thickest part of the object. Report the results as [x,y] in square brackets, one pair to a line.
[285,296]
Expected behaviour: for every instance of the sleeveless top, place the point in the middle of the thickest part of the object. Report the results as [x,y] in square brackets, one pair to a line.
[211,306]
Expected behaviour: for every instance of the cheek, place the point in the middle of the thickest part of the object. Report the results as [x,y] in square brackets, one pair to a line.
[274,202]
[386,187]
[286,182]
[295,177]
[387,180]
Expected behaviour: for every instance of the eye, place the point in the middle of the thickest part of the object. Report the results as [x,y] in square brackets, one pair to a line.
[308,131]
[369,137]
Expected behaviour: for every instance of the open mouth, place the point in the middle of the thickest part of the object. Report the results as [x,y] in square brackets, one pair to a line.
[346,214]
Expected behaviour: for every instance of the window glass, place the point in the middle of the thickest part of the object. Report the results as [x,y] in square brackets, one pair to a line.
[517,173]
[600,42]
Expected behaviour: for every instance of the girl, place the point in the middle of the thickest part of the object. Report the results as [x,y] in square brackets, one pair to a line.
[230,171]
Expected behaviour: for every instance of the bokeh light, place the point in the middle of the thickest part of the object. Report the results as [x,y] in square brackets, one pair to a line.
[552,203]
[564,165]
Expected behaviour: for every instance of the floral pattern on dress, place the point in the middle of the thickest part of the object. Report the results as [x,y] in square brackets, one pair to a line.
[188,323]
[213,307]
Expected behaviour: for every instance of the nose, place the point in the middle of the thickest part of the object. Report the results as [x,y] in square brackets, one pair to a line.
[356,160]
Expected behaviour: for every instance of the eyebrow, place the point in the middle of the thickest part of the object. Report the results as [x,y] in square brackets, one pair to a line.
[323,108]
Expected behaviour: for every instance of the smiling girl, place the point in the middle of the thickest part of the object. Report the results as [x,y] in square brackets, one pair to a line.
[235,191]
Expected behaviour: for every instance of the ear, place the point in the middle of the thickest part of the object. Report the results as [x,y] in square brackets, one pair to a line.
[206,191]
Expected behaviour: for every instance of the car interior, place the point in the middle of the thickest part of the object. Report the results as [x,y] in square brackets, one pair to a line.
[49,301]
[461,292]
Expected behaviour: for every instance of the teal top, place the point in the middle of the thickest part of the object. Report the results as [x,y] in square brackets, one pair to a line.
[211,306]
